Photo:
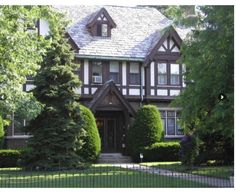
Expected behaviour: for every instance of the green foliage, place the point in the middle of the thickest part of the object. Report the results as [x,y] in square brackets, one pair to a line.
[208,54]
[189,150]
[55,131]
[161,151]
[1,132]
[91,139]
[9,158]
[146,130]
[20,52]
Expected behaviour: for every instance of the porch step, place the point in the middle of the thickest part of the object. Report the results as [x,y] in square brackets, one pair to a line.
[111,158]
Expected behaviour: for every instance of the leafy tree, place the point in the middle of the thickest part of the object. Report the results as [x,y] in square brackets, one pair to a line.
[146,130]
[56,132]
[1,132]
[208,54]
[91,139]
[184,15]
[20,52]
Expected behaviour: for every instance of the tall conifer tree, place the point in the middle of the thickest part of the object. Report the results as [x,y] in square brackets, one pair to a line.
[56,130]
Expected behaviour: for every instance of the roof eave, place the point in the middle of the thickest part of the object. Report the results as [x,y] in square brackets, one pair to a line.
[114,58]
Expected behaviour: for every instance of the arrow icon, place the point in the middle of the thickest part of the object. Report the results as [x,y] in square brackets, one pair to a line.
[221,97]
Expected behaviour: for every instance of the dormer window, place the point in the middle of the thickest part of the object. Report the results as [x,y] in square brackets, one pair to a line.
[104,30]
[101,24]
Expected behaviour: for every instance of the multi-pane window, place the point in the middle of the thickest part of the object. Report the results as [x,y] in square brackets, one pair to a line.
[162,73]
[170,122]
[97,72]
[114,71]
[174,74]
[134,74]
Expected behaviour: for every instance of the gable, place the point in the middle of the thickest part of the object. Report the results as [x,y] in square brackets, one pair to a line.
[109,97]
[169,43]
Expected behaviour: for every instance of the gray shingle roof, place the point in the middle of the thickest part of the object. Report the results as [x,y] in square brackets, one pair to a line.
[137,30]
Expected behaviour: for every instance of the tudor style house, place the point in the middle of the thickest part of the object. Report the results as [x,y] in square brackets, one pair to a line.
[128,58]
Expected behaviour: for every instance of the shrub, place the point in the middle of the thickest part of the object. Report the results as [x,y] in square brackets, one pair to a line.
[91,139]
[146,130]
[9,158]
[189,150]
[1,132]
[161,151]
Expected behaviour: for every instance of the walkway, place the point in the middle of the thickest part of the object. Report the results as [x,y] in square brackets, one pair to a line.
[216,182]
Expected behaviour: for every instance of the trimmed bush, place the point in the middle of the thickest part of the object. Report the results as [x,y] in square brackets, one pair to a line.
[146,130]
[9,158]
[91,139]
[163,151]
[1,132]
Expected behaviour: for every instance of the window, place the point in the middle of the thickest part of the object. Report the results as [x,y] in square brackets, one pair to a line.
[97,72]
[174,74]
[162,73]
[114,71]
[104,30]
[170,122]
[134,74]
[18,125]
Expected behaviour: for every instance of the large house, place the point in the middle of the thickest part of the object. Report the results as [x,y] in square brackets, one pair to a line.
[128,57]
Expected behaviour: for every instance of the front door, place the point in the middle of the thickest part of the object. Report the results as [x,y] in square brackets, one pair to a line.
[107,132]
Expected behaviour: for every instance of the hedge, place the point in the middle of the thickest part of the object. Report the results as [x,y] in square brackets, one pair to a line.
[9,158]
[162,151]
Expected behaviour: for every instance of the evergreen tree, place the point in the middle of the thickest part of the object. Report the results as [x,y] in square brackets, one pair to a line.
[55,131]
[209,58]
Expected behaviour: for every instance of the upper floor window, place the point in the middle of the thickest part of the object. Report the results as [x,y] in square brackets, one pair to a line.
[97,72]
[174,74]
[114,71]
[134,74]
[162,73]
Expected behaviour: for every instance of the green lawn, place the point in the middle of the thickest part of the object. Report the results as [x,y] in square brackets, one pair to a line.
[213,171]
[95,176]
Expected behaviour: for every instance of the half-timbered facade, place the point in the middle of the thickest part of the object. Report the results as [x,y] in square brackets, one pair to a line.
[128,57]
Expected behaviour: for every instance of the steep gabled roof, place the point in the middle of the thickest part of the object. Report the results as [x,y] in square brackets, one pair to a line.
[97,14]
[137,30]
[103,91]
[168,32]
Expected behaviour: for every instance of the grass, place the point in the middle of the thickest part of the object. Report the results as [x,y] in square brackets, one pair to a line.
[212,171]
[95,176]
